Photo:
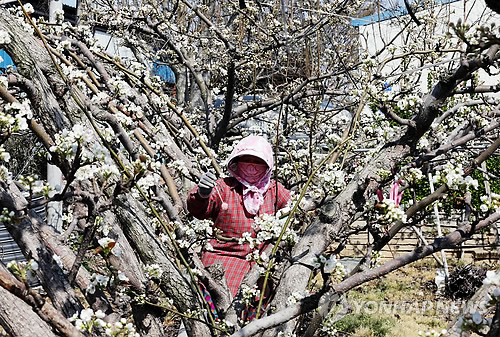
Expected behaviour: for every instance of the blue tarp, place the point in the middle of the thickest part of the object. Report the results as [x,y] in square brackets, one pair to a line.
[165,72]
[7,61]
[162,70]
[388,14]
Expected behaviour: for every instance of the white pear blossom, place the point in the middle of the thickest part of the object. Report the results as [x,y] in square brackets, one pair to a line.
[492,277]
[196,232]
[100,314]
[87,320]
[3,79]
[296,296]
[97,281]
[105,242]
[29,8]
[153,270]
[490,203]
[249,294]
[58,261]
[86,315]
[453,176]
[477,317]
[4,37]
[7,215]
[116,250]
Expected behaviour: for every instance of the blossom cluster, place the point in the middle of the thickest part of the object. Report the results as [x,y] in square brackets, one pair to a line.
[257,257]
[4,37]
[96,159]
[196,231]
[391,212]
[268,227]
[153,270]
[490,203]
[102,227]
[4,155]
[35,186]
[375,125]
[296,296]
[148,181]
[67,142]
[15,116]
[179,166]
[72,74]
[328,327]
[473,322]
[330,265]
[88,319]
[98,281]
[249,294]
[7,216]
[332,178]
[59,14]
[453,176]
[120,87]
[121,329]
[29,8]
[492,278]
[5,174]
[24,271]
[413,175]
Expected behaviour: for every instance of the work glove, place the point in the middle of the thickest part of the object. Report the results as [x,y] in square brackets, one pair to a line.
[206,184]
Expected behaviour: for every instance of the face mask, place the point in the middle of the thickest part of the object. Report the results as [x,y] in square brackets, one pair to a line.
[251,172]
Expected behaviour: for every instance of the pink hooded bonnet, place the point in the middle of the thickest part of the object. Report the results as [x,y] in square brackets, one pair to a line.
[253,194]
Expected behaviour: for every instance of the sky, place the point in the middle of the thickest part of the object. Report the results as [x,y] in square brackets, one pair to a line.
[71,3]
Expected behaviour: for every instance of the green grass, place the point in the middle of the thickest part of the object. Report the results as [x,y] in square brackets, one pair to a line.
[407,285]
[369,324]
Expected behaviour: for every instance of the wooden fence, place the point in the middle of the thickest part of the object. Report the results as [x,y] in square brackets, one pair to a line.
[482,246]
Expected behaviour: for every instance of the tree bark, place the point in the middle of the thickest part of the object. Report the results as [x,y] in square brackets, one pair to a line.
[15,314]
[33,62]
[174,284]
[43,308]
[27,234]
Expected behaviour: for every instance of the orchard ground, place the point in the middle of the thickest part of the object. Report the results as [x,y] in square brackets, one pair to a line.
[403,303]
[400,304]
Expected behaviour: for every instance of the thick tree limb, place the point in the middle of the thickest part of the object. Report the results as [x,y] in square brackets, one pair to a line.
[44,309]
[28,55]
[303,306]
[15,314]
[151,251]
[26,233]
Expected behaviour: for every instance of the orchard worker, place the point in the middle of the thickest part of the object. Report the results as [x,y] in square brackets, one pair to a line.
[234,202]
